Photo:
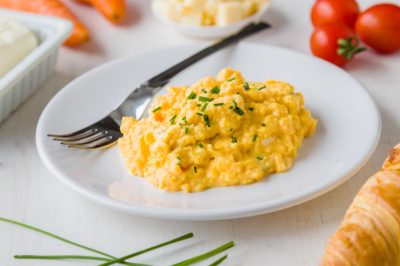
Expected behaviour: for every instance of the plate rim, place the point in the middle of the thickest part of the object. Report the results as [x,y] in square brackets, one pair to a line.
[205,214]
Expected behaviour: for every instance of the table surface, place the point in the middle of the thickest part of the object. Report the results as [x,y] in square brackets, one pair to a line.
[295,236]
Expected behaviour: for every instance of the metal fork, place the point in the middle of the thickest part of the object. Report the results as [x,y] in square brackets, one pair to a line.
[106,132]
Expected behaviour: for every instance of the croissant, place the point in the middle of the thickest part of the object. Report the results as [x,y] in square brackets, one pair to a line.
[370,231]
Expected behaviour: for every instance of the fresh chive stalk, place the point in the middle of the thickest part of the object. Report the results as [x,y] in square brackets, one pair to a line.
[184,237]
[55,236]
[172,120]
[72,257]
[207,120]
[218,104]
[219,261]
[205,256]
[231,79]
[246,86]
[261,88]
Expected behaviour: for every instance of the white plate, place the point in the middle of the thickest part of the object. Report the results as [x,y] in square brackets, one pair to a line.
[347,134]
[209,32]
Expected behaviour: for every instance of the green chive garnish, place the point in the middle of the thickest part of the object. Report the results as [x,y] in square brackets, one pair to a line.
[233,140]
[156,109]
[215,90]
[218,104]
[246,86]
[198,105]
[186,130]
[238,111]
[192,96]
[261,88]
[200,145]
[205,99]
[172,120]
[262,124]
[204,107]
[254,138]
[195,169]
[259,158]
[207,120]
[184,119]
[231,79]
[200,114]
[179,160]
[203,90]
[251,109]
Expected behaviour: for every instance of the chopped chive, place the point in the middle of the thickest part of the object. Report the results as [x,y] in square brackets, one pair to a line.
[200,114]
[184,119]
[246,86]
[156,109]
[263,124]
[207,120]
[251,109]
[205,99]
[215,90]
[254,137]
[192,96]
[234,103]
[231,107]
[198,105]
[204,107]
[195,169]
[238,111]
[200,145]
[203,90]
[172,120]
[231,79]
[261,88]
[231,129]
[233,140]
[186,130]
[179,160]
[259,157]
[218,104]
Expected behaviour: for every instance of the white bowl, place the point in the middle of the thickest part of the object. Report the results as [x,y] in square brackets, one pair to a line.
[209,32]
[20,82]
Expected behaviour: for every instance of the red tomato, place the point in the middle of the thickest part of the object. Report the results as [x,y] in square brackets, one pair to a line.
[336,43]
[379,27]
[332,11]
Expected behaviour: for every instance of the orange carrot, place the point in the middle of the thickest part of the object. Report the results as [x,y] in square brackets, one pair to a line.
[113,10]
[52,8]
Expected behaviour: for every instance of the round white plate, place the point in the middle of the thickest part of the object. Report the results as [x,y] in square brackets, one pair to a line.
[208,32]
[347,134]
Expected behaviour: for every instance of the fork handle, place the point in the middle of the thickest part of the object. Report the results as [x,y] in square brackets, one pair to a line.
[164,77]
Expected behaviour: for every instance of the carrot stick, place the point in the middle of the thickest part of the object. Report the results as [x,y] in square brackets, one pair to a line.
[52,8]
[113,10]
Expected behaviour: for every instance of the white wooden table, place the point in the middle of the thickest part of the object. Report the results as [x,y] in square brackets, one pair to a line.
[295,236]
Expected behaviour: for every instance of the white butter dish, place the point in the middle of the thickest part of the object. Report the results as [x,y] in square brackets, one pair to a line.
[26,77]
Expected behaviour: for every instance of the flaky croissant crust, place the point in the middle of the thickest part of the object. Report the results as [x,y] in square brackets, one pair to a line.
[370,231]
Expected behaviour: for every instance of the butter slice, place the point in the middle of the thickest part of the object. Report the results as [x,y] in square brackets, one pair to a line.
[228,13]
[16,42]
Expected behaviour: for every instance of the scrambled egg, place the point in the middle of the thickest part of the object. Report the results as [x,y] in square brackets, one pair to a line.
[217,132]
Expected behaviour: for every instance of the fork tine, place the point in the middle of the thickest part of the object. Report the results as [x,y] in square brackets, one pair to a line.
[86,140]
[88,133]
[100,143]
